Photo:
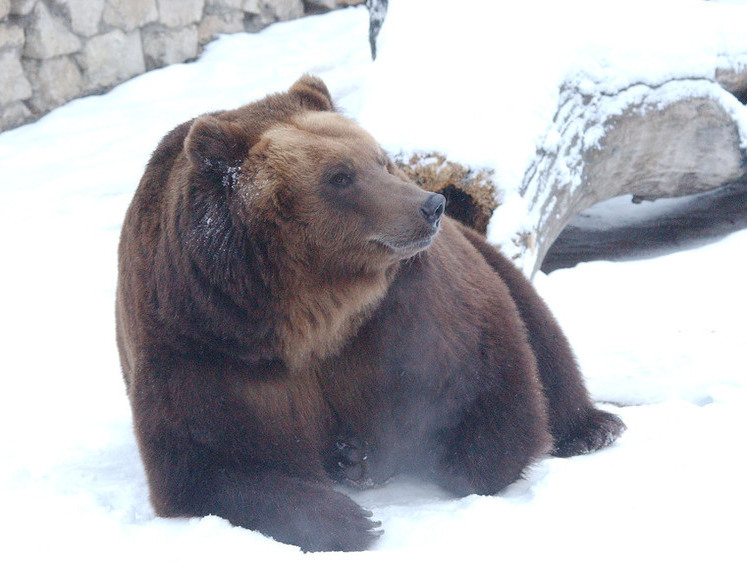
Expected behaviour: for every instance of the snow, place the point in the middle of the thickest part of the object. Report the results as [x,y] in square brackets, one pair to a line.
[661,341]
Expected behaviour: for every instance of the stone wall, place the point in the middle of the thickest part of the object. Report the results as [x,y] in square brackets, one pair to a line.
[52,51]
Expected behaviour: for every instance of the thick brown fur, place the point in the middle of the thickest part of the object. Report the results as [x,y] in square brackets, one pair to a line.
[292,312]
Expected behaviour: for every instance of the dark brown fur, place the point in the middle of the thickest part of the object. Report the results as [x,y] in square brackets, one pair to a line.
[287,317]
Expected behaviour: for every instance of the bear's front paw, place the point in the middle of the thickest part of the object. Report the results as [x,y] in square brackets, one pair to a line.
[332,522]
[596,430]
[346,462]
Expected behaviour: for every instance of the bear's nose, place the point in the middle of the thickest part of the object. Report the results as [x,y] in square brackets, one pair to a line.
[433,208]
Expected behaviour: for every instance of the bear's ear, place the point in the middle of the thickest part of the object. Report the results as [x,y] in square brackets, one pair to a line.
[213,146]
[313,93]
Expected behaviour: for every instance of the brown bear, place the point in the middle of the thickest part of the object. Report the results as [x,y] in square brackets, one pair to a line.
[292,314]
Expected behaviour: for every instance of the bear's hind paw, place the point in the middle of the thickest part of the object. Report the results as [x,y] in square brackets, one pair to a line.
[597,430]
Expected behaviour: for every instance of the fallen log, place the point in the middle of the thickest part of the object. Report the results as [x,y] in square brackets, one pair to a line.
[679,138]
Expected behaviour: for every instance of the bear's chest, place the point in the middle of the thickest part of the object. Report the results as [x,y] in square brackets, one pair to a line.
[315,322]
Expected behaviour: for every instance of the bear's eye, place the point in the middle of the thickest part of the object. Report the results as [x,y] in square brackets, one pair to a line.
[341,179]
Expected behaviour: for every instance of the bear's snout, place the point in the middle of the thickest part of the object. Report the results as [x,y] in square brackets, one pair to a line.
[433,209]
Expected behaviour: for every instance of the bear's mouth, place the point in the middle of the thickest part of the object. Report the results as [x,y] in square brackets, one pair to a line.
[406,247]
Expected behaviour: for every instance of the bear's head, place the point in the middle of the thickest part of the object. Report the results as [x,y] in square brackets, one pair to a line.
[311,182]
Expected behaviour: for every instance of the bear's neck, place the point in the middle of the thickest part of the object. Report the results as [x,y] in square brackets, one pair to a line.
[319,313]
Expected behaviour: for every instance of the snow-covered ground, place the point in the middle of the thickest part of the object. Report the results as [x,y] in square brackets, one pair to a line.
[661,341]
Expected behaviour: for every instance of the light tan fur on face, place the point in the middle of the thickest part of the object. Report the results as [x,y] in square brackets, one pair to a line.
[320,307]
[301,147]
[334,125]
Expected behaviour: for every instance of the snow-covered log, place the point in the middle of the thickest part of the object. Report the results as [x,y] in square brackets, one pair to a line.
[677,138]
[568,107]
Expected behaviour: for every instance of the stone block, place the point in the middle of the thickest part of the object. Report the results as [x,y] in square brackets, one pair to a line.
[4,8]
[55,81]
[14,86]
[11,36]
[320,6]
[286,9]
[13,115]
[111,58]
[178,13]
[48,36]
[279,10]
[22,7]
[262,13]
[252,6]
[130,14]
[85,15]
[169,46]
[230,4]
[214,24]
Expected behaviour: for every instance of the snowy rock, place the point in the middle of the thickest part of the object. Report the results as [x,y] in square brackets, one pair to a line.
[48,36]
[130,14]
[178,13]
[4,8]
[111,58]
[56,81]
[85,15]
[169,46]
